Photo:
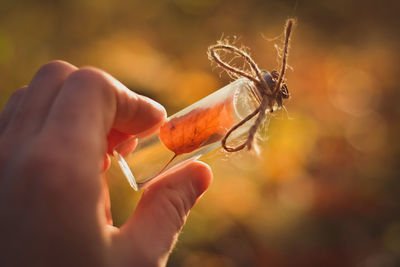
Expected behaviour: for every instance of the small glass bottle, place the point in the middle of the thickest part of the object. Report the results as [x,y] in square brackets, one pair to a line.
[191,133]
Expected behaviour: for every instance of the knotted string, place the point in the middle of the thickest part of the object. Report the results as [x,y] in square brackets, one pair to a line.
[271,93]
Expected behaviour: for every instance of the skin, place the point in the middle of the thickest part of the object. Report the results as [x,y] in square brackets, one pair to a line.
[54,205]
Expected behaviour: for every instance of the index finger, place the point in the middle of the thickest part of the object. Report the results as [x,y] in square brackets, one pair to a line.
[91,103]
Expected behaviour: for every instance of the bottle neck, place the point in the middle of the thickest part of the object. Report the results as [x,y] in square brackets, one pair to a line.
[268,77]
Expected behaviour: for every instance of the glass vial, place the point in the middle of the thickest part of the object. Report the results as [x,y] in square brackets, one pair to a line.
[191,133]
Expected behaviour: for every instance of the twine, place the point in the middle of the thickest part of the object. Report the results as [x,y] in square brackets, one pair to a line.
[270,95]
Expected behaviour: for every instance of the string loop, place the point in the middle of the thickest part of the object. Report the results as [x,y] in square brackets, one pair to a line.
[270,86]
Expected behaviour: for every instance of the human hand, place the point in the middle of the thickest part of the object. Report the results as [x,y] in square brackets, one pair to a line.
[54,135]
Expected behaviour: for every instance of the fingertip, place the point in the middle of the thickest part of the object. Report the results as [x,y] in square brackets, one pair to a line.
[137,114]
[126,147]
[121,142]
[160,112]
[193,177]
[154,114]
[201,176]
[106,163]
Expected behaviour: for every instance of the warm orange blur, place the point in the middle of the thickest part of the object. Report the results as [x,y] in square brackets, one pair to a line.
[326,189]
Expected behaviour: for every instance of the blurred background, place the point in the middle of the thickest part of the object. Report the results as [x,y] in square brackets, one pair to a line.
[325,190]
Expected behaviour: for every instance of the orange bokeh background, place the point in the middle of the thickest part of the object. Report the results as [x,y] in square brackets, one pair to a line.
[325,190]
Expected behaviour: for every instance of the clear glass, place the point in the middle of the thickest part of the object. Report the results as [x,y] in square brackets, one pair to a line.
[191,133]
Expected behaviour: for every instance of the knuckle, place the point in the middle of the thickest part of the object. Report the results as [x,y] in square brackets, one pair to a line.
[54,67]
[17,94]
[90,78]
[90,74]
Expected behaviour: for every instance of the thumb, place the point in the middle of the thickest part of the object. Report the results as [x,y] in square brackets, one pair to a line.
[150,233]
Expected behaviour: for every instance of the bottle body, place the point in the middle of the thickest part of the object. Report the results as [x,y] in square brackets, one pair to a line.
[191,133]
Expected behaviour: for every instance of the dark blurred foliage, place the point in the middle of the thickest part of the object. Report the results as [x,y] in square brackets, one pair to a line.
[326,189]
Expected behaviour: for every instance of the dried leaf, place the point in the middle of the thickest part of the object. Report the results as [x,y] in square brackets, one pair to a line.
[197,128]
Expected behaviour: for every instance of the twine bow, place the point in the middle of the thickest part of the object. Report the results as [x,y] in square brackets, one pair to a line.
[271,86]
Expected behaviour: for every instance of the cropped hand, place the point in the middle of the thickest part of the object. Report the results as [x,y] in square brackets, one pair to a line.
[54,135]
